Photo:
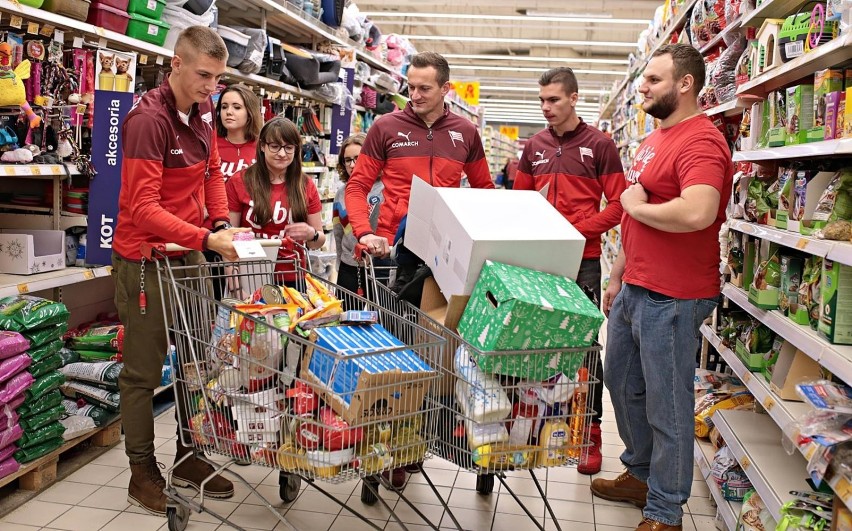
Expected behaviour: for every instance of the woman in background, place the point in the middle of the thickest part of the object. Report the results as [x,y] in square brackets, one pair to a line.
[238,123]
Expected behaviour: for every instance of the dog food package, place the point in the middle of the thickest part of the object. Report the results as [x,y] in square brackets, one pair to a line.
[835,203]
[45,384]
[27,312]
[45,351]
[729,476]
[15,386]
[8,417]
[8,466]
[68,356]
[44,418]
[34,452]
[99,415]
[108,400]
[33,407]
[45,366]
[43,336]
[103,375]
[109,338]
[40,435]
[12,343]
[12,366]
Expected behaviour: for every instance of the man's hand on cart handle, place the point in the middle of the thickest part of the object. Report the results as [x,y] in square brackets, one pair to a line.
[222,242]
[376,245]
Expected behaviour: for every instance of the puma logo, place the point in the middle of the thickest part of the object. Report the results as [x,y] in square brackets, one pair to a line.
[540,154]
[404,135]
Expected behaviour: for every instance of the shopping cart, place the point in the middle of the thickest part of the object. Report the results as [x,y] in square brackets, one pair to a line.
[497,415]
[251,387]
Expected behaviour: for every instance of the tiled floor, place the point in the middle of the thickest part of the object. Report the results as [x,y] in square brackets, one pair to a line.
[94,498]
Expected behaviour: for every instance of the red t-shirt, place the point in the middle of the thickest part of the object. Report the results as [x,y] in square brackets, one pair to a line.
[236,157]
[680,265]
[239,201]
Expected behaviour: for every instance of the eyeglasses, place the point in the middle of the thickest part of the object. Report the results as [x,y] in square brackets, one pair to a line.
[288,148]
[347,161]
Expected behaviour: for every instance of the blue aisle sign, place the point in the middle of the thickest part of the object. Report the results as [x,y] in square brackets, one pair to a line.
[110,110]
[341,115]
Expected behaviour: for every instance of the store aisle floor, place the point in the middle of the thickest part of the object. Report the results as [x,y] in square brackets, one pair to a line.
[95,498]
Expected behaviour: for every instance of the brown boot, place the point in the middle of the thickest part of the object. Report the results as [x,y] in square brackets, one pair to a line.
[193,471]
[146,487]
[624,488]
[652,525]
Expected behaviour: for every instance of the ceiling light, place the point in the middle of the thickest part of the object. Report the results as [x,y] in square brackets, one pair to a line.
[554,17]
[619,73]
[536,59]
[550,42]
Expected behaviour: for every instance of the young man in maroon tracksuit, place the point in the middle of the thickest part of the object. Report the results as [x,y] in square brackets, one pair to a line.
[578,164]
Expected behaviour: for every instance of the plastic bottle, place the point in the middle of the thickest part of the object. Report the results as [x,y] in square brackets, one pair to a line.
[524,420]
[81,251]
[578,412]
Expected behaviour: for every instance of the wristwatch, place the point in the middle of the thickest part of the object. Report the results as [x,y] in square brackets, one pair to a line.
[223,226]
[316,236]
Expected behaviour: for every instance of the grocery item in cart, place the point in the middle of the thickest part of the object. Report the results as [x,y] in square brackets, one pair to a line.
[259,348]
[359,385]
[512,308]
[481,397]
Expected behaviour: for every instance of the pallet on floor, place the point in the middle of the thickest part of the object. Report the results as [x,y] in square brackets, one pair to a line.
[37,475]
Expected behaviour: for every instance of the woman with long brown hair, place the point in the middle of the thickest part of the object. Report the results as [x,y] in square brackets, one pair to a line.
[238,123]
[273,197]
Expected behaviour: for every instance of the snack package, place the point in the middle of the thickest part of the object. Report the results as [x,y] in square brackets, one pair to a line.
[27,312]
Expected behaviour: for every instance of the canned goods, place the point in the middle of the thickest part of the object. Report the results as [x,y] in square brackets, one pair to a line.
[273,294]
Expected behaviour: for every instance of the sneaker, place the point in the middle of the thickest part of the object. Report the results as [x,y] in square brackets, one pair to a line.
[591,457]
[193,471]
[147,486]
[624,488]
[649,524]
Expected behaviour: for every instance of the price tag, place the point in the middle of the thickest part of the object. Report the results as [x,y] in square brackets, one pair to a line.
[81,108]
[143,59]
[78,42]
[47,31]
[745,463]
[108,270]
[102,43]
[35,170]
[262,91]
[768,403]
[23,288]
[88,274]
[801,244]
[16,22]
[56,170]
[10,171]
[59,35]
[160,60]
[747,378]
[842,488]
[32,28]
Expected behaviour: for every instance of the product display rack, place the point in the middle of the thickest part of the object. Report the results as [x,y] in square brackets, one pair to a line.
[826,148]
[769,9]
[729,510]
[837,251]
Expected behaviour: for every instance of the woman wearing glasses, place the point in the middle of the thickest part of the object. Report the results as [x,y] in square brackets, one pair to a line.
[344,239]
[273,196]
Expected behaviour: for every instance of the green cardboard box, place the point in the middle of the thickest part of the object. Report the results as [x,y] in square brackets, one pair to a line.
[800,113]
[835,318]
[766,297]
[753,360]
[791,276]
[513,308]
[776,121]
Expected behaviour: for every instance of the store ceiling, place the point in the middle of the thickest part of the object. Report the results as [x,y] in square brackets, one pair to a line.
[592,37]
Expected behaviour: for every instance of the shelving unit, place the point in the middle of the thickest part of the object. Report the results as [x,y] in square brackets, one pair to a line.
[755,442]
[718,39]
[18,284]
[769,9]
[837,251]
[826,148]
[730,511]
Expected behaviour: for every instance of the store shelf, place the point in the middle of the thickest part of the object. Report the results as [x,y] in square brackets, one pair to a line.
[835,358]
[41,221]
[825,148]
[731,108]
[770,9]
[825,56]
[730,511]
[17,284]
[755,441]
[838,251]
[38,171]
[719,39]
[162,389]
[314,169]
[633,141]
[783,412]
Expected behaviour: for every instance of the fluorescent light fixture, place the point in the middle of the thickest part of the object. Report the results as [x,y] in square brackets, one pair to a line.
[553,17]
[535,58]
[619,73]
[550,42]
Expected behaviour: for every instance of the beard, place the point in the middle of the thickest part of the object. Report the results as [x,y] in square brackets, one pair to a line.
[664,106]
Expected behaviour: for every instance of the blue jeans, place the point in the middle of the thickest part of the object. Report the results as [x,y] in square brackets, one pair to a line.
[652,341]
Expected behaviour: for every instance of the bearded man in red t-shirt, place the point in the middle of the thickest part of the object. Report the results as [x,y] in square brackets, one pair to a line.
[663,285]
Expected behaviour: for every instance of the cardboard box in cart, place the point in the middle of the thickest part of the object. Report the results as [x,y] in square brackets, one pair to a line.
[372,387]
[454,230]
[25,252]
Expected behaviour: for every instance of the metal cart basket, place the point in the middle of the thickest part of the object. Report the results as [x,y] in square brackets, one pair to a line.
[250,386]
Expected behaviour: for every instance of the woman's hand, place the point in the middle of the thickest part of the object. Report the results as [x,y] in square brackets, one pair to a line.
[301,232]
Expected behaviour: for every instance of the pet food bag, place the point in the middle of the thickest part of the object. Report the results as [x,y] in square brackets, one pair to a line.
[12,366]
[12,343]
[103,375]
[27,312]
[109,338]
[15,386]
[25,455]
[42,336]
[108,400]
[42,404]
[99,415]
[41,435]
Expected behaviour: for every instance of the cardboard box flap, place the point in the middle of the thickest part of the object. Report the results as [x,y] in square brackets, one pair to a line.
[352,340]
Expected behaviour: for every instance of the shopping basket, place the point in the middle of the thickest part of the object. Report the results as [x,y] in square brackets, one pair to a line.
[491,423]
[318,402]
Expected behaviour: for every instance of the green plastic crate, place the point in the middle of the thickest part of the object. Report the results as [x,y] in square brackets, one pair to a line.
[152,9]
[32,3]
[148,30]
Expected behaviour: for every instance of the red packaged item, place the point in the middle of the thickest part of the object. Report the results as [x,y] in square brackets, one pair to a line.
[337,434]
[308,435]
[108,17]
[304,399]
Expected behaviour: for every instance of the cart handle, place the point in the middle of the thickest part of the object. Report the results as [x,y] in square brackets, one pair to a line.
[150,250]
[361,252]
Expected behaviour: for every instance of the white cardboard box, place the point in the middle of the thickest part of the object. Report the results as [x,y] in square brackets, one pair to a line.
[26,252]
[454,230]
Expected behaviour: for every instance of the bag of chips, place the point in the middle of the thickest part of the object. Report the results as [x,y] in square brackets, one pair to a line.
[28,312]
